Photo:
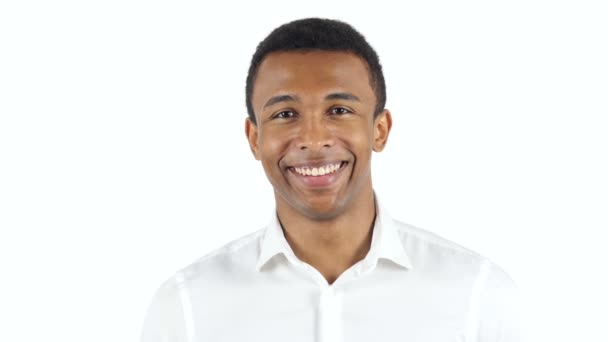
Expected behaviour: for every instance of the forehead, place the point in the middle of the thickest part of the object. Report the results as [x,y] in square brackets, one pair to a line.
[312,74]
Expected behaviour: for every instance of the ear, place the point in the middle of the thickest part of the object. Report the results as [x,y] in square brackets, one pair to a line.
[251,130]
[382,128]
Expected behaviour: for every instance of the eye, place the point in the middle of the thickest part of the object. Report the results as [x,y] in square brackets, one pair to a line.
[286,114]
[340,111]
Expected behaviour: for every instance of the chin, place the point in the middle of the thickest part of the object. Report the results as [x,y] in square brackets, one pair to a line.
[322,211]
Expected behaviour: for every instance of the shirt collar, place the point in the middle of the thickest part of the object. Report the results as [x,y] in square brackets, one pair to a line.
[386,242]
[273,242]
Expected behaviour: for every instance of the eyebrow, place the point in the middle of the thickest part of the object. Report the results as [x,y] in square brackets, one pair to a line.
[294,98]
[281,98]
[342,96]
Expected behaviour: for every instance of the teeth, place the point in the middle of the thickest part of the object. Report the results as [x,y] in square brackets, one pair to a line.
[318,171]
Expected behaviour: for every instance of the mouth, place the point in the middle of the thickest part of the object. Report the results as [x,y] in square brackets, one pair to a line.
[318,170]
[318,175]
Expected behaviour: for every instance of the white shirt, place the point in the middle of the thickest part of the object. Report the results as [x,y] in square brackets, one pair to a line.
[411,286]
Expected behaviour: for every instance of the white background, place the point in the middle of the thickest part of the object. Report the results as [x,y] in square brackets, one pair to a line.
[123,156]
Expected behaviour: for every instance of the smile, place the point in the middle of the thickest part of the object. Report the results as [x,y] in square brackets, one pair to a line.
[319,175]
[319,170]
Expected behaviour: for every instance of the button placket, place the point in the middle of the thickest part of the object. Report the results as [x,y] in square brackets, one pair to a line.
[330,315]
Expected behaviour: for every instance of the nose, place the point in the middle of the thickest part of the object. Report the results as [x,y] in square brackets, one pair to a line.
[315,134]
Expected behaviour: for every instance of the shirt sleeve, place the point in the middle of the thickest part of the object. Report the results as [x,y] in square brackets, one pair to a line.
[164,320]
[500,310]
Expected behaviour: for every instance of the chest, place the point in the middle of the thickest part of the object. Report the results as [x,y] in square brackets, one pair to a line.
[393,311]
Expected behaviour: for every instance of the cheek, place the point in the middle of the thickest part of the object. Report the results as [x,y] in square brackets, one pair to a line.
[273,144]
[357,137]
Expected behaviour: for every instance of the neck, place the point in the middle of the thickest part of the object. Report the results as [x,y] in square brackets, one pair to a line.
[331,245]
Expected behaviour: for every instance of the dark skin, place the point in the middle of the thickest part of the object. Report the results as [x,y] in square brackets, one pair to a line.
[315,110]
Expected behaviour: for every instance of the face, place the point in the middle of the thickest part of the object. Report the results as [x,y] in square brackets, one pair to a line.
[316,130]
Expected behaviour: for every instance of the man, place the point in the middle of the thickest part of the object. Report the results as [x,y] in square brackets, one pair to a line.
[331,265]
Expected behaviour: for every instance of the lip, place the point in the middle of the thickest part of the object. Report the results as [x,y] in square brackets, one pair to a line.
[318,181]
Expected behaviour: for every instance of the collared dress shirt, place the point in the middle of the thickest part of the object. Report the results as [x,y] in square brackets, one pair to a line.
[411,286]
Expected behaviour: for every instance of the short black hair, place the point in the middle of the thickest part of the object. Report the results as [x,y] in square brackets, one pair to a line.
[318,34]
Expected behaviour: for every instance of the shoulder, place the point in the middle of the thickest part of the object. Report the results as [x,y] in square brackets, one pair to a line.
[429,251]
[420,241]
[238,254]
[494,294]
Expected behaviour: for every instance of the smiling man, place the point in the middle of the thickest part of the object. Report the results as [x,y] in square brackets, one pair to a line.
[332,265]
